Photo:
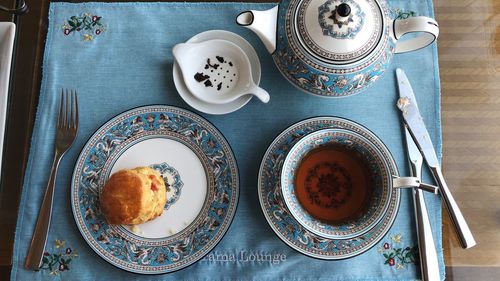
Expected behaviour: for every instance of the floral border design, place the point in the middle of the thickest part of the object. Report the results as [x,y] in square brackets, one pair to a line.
[86,24]
[174,188]
[58,261]
[123,232]
[398,256]
[313,75]
[318,78]
[300,8]
[279,217]
[364,149]
[349,32]
[153,256]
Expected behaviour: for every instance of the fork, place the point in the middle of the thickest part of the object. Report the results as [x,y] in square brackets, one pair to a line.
[67,127]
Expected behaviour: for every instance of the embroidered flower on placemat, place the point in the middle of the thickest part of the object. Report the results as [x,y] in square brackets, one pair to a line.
[400,14]
[398,255]
[88,25]
[60,258]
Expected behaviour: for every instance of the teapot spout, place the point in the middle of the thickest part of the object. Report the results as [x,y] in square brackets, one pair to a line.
[263,23]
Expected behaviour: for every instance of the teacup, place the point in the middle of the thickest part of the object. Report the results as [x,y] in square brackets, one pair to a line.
[336,183]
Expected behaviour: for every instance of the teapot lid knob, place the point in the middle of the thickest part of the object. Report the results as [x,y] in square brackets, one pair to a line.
[343,10]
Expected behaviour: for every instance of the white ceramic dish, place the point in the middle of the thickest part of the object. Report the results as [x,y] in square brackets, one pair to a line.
[284,223]
[217,71]
[174,160]
[218,108]
[338,195]
[7,33]
[336,48]
[203,186]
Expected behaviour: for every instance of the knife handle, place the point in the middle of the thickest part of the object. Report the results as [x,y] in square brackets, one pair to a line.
[463,231]
[429,265]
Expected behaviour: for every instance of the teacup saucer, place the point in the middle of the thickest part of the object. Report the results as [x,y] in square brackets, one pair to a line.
[281,220]
[211,108]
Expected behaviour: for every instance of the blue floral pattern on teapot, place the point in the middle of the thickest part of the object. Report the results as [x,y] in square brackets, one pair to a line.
[333,51]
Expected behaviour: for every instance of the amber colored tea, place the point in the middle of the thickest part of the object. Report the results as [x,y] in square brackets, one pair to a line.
[334,184]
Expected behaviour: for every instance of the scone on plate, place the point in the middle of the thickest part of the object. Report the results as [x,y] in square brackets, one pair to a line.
[133,196]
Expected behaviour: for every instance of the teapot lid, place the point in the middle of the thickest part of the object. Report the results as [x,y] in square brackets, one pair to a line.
[339,31]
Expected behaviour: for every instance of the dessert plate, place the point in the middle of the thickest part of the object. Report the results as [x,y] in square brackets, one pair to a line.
[225,108]
[281,219]
[199,170]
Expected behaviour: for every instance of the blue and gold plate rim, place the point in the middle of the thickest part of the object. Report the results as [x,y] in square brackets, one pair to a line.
[281,220]
[155,256]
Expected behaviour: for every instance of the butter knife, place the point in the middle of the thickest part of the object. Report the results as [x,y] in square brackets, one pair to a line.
[429,266]
[411,115]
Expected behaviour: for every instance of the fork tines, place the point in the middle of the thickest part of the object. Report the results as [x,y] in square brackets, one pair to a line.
[68,110]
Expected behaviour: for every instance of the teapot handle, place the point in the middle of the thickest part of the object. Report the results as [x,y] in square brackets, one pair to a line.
[428,28]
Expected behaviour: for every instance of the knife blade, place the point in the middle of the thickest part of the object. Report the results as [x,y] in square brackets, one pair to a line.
[412,118]
[428,255]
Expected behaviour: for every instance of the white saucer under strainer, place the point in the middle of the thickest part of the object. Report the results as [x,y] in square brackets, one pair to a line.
[217,71]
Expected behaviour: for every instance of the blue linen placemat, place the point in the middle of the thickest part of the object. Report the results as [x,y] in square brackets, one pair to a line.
[128,63]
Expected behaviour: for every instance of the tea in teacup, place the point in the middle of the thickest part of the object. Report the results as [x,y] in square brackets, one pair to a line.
[334,184]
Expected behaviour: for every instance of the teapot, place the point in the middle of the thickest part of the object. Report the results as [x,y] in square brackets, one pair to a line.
[336,48]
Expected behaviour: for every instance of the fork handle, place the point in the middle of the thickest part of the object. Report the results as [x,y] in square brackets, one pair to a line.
[429,264]
[39,239]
